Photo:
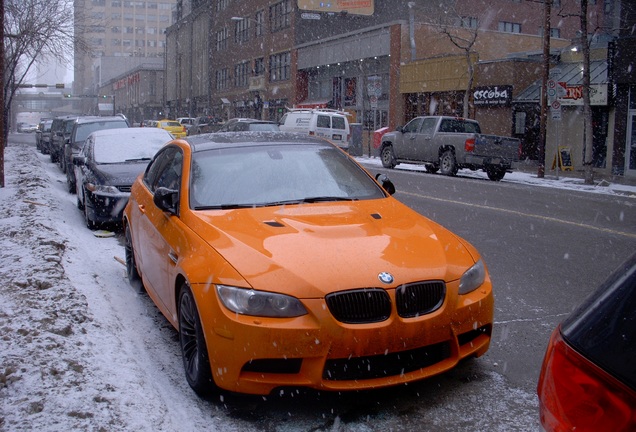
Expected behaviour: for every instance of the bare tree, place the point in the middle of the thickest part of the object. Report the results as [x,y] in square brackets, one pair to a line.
[35,31]
[462,32]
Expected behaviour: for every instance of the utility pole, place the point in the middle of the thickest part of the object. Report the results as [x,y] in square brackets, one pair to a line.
[588,136]
[544,83]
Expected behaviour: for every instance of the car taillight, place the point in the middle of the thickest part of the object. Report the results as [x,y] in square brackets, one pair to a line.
[469,145]
[574,394]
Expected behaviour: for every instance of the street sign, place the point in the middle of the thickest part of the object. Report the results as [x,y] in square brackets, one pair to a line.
[310,16]
[555,110]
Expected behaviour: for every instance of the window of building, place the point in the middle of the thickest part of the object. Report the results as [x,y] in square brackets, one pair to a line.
[280,15]
[221,39]
[115,16]
[151,30]
[554,32]
[126,42]
[98,16]
[509,27]
[140,17]
[128,16]
[279,66]
[241,73]
[115,29]
[241,31]
[259,66]
[222,5]
[260,22]
[129,30]
[99,2]
[468,22]
[152,5]
[222,79]
[115,3]
[165,6]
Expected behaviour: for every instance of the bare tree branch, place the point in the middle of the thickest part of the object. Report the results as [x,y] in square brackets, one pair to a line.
[34,31]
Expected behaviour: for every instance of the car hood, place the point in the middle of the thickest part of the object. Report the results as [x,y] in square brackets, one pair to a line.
[310,250]
[118,173]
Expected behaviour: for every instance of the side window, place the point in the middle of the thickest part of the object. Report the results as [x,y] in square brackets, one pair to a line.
[164,170]
[170,176]
[413,126]
[323,121]
[338,122]
[428,126]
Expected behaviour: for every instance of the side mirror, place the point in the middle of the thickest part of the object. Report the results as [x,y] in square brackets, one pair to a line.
[386,183]
[166,200]
[79,160]
[400,129]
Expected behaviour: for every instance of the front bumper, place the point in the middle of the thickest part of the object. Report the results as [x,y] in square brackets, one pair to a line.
[256,355]
[105,208]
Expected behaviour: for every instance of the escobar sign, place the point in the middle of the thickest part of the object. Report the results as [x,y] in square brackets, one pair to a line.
[493,95]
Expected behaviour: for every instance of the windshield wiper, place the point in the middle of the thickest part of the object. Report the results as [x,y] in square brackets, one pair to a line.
[138,159]
[227,206]
[312,200]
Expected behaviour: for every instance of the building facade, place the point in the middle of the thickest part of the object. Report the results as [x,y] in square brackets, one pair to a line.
[117,36]
[383,62]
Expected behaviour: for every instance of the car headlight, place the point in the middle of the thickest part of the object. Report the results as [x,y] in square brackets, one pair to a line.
[102,189]
[259,303]
[472,278]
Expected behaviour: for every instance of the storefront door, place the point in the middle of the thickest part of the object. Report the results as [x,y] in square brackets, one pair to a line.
[630,147]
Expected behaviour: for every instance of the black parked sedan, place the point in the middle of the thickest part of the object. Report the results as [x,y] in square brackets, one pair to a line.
[107,166]
[588,378]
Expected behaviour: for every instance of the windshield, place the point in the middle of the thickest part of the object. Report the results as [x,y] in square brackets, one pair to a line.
[118,149]
[276,174]
[84,130]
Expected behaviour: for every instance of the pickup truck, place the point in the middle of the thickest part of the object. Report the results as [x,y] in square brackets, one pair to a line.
[447,144]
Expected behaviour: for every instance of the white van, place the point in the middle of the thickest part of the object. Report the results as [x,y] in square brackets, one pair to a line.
[327,123]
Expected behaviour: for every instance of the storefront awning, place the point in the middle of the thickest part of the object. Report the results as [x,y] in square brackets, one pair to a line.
[570,77]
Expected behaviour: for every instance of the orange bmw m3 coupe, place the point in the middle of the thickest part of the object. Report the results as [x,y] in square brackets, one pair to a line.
[282,262]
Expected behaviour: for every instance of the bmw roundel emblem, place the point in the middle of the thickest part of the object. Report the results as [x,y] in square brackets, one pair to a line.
[385,277]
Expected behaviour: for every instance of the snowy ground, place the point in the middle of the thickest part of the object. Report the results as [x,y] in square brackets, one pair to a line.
[81,350]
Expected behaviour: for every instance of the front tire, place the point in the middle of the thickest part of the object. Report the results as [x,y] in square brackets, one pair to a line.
[387,157]
[134,278]
[193,347]
[90,223]
[447,163]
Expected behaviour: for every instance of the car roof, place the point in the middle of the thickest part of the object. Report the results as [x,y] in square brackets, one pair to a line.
[95,119]
[220,140]
[132,132]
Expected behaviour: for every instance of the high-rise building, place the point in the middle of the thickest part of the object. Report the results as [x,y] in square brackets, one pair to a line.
[115,36]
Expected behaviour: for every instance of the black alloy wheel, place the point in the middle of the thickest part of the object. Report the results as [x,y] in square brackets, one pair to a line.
[193,347]
[134,278]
